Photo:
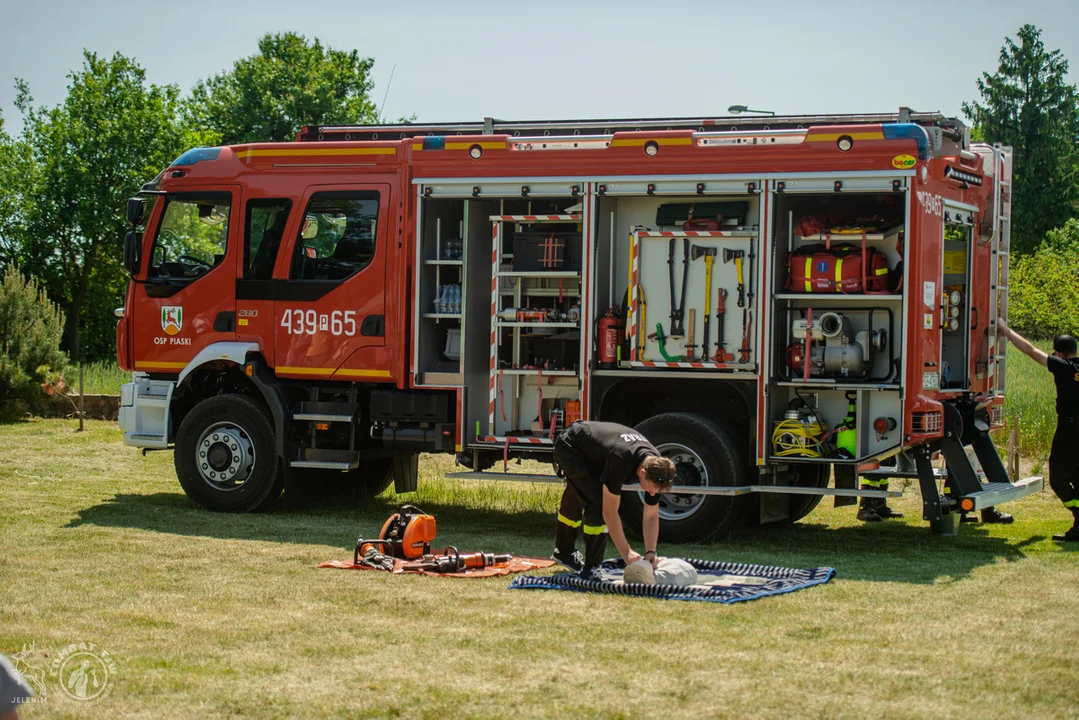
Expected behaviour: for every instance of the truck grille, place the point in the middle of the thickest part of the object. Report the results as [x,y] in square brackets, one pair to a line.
[927,422]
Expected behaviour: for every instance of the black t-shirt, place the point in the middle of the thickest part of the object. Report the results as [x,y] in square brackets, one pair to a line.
[1066,375]
[612,453]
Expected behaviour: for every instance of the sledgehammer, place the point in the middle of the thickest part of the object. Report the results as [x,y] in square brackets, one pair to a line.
[709,254]
[737,256]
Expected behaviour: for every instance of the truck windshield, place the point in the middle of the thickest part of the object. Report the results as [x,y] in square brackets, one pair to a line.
[192,237]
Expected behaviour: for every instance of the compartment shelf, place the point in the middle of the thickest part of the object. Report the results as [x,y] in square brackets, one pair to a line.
[837,297]
[442,316]
[540,292]
[546,373]
[536,218]
[698,233]
[834,237]
[554,274]
[836,385]
[444,262]
[510,324]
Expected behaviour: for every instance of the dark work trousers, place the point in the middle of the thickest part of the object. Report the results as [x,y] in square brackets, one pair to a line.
[1064,464]
[582,505]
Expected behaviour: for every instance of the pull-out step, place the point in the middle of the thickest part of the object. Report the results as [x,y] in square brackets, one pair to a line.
[327,459]
[326,411]
[886,473]
[1002,492]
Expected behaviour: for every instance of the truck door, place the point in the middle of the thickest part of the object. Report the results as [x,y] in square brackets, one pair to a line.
[187,300]
[267,222]
[332,305]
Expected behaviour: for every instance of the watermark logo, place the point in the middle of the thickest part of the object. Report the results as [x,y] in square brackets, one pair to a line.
[84,672]
[26,666]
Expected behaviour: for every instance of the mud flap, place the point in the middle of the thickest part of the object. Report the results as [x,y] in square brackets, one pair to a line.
[846,478]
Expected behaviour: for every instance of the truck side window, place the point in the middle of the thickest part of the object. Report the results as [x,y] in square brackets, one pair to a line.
[337,236]
[192,237]
[263,230]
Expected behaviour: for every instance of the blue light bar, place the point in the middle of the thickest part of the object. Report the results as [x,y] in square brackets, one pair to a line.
[434,142]
[908,131]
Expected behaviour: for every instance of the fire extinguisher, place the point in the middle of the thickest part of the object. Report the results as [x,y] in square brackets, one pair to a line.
[610,329]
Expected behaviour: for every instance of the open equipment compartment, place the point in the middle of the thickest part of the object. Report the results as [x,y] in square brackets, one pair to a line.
[837,308]
[537,258]
[440,291]
[645,242]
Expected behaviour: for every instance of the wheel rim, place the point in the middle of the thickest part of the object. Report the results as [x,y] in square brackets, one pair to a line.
[225,456]
[690,470]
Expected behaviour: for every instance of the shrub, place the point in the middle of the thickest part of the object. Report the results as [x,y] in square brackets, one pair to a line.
[30,331]
[1043,298]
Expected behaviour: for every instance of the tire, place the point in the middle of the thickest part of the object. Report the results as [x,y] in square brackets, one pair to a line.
[311,487]
[808,476]
[372,476]
[705,453]
[225,455]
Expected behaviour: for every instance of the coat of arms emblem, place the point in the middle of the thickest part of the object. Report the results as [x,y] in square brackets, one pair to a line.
[172,319]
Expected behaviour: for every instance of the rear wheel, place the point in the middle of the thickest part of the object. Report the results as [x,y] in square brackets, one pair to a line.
[225,456]
[806,475]
[705,453]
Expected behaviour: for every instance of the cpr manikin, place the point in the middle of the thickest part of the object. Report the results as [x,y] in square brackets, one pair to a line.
[668,571]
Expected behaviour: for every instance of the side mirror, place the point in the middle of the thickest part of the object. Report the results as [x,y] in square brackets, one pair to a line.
[132,250]
[136,207]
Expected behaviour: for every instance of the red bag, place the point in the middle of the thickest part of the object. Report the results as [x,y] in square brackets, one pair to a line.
[705,224]
[702,225]
[816,269]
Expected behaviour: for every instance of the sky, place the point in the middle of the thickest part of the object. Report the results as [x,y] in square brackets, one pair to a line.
[465,60]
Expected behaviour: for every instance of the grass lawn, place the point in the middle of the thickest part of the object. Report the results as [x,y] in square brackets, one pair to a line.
[215,615]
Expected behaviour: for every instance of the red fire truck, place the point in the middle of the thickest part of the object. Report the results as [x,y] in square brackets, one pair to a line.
[774,302]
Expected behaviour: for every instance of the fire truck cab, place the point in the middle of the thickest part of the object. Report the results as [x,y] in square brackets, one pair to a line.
[775,303]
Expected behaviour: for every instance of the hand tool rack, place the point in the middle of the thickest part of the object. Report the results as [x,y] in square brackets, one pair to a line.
[637,330]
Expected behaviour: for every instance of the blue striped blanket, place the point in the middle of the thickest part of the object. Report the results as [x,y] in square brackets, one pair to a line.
[720,582]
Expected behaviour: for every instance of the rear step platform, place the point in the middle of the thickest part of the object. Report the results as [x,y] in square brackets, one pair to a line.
[1002,492]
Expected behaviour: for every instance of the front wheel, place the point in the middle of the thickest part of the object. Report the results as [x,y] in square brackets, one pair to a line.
[225,456]
[705,453]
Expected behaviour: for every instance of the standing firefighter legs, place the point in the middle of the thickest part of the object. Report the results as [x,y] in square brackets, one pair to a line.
[578,509]
[873,509]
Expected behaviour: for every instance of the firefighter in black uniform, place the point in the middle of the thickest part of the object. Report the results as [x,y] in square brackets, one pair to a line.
[1064,455]
[596,459]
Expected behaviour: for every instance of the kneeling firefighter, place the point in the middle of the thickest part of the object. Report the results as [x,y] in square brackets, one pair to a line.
[596,459]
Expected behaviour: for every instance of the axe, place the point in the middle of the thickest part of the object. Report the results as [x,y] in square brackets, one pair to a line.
[737,256]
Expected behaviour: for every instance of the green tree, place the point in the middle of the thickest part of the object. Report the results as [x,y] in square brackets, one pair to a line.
[1043,299]
[30,330]
[289,83]
[15,170]
[74,166]
[1029,105]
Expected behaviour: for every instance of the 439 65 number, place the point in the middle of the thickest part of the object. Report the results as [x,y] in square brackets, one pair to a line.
[309,322]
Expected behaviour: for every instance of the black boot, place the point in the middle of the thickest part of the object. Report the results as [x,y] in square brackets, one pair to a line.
[886,512]
[867,509]
[992,516]
[883,510]
[1071,535]
[594,548]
